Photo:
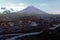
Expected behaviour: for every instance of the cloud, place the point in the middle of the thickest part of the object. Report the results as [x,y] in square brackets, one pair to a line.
[43,4]
[21,4]
[15,7]
[54,11]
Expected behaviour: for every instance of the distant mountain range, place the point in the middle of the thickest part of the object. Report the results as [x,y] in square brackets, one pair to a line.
[29,11]
[37,13]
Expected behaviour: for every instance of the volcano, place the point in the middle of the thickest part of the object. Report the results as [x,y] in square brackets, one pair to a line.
[32,10]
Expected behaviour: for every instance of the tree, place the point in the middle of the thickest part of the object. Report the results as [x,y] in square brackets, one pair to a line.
[6,11]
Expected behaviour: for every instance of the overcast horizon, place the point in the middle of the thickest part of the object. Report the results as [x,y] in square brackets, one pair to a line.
[49,6]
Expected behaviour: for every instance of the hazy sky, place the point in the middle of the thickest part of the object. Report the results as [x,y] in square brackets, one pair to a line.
[50,6]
